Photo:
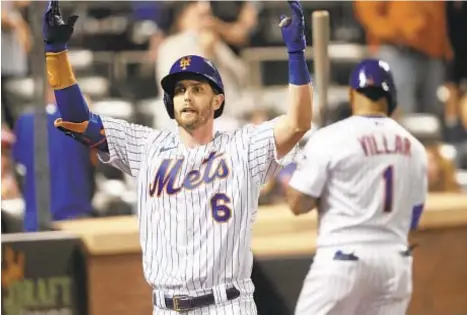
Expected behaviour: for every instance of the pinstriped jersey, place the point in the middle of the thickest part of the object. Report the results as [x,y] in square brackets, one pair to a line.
[196,206]
[370,175]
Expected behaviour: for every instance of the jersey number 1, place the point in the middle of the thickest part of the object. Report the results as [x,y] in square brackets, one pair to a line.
[388,177]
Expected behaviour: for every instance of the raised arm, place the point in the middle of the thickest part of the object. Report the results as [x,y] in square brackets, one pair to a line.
[271,144]
[290,129]
[77,120]
[120,143]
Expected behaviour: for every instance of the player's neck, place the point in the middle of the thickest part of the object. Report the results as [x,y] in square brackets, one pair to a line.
[372,113]
[368,108]
[363,106]
[194,138]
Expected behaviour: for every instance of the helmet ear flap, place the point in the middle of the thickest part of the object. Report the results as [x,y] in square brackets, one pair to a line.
[169,105]
[218,112]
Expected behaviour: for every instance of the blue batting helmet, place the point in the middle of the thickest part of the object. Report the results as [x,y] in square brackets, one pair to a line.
[375,73]
[195,68]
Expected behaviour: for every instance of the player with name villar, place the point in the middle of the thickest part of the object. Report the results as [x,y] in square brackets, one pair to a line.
[367,176]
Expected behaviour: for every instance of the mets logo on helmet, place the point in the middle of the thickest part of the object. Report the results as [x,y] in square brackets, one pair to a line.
[185,62]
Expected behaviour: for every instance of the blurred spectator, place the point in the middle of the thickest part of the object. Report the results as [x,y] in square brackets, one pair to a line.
[11,196]
[16,44]
[9,186]
[259,115]
[71,169]
[154,18]
[441,171]
[412,37]
[456,83]
[194,32]
[235,22]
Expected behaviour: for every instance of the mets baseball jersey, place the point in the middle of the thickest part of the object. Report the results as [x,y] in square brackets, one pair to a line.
[369,174]
[196,206]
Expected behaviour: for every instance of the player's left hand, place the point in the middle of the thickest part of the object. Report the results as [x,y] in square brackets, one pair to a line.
[293,29]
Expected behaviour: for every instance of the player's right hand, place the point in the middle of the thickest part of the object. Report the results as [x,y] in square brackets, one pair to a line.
[55,31]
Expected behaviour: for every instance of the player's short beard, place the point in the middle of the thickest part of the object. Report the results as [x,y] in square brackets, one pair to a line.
[202,117]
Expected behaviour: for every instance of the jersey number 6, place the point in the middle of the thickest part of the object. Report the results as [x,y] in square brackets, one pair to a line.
[388,177]
[219,208]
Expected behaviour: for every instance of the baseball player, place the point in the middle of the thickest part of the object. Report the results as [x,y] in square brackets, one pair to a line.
[197,190]
[367,177]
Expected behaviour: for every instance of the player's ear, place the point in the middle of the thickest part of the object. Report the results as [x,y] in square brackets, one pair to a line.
[218,100]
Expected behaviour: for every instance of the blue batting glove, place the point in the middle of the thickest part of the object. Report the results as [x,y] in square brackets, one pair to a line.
[55,31]
[293,29]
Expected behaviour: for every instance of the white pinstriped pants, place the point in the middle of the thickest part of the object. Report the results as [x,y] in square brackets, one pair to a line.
[243,305]
[378,283]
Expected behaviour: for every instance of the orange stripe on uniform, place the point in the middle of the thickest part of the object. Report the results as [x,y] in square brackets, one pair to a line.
[71,126]
[59,72]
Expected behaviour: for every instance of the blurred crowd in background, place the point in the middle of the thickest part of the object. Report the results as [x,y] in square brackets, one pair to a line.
[121,50]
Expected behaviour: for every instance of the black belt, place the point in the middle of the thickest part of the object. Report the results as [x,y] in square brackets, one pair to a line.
[339,255]
[183,303]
